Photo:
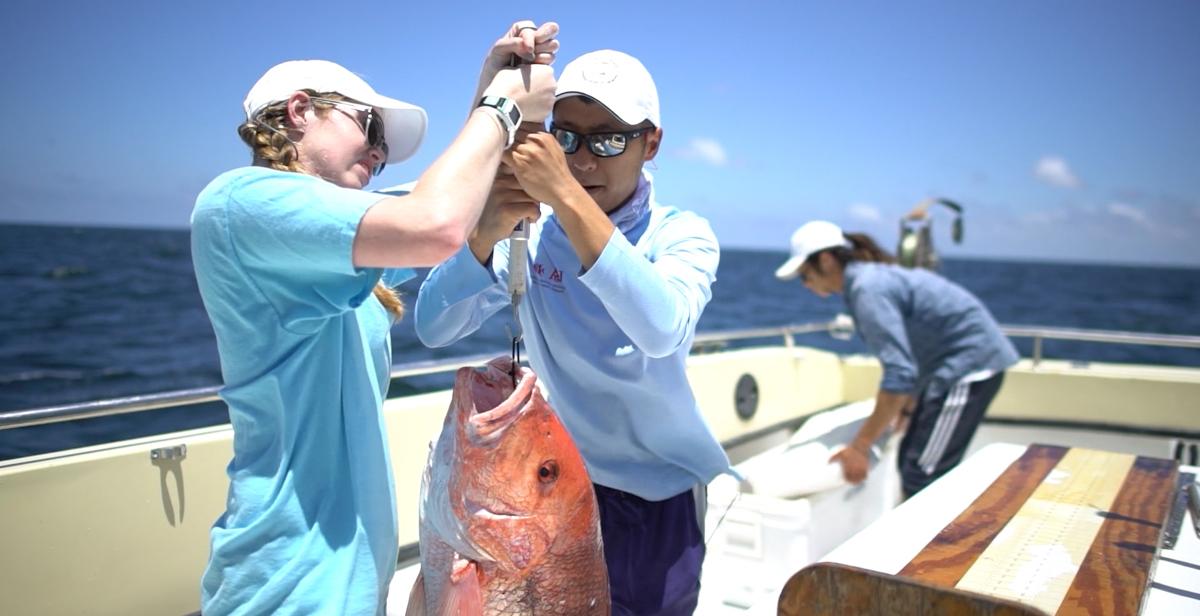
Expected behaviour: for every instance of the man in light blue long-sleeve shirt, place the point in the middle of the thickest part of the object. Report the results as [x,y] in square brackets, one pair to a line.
[617,283]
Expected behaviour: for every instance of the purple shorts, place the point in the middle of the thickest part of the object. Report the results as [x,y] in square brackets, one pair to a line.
[654,550]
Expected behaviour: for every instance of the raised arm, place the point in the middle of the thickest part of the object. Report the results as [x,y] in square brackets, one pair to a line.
[657,298]
[430,224]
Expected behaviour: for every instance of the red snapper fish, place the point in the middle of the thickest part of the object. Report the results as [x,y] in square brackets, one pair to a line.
[509,523]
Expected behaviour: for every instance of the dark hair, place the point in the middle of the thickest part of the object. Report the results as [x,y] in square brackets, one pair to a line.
[266,135]
[863,248]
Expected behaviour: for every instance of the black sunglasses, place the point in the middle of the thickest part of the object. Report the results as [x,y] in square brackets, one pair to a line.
[371,125]
[602,145]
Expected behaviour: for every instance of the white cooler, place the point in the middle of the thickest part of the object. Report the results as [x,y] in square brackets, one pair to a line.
[792,509]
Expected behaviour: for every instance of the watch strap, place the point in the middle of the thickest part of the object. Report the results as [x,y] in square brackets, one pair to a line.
[507,111]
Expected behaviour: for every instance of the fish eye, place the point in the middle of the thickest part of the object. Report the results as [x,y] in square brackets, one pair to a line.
[548,471]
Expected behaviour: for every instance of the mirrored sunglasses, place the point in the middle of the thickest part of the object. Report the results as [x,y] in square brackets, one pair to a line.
[602,145]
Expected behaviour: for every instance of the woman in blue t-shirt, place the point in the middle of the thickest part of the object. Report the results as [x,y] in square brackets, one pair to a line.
[295,261]
[942,353]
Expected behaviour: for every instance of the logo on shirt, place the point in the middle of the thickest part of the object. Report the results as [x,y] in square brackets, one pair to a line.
[547,278]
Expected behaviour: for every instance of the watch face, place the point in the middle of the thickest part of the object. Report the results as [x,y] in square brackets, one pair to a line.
[510,114]
[514,114]
[506,106]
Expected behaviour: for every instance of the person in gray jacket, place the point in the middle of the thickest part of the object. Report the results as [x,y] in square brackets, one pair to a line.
[943,354]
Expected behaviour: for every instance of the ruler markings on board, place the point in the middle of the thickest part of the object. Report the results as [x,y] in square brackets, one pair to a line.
[1035,557]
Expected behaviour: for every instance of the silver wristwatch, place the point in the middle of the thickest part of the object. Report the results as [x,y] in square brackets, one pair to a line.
[508,112]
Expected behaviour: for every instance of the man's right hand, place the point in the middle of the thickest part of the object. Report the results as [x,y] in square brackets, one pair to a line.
[507,204]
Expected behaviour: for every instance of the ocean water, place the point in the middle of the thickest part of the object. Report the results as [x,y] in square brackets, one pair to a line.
[92,313]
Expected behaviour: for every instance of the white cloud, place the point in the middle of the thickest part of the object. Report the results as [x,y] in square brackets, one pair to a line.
[865,212]
[1055,171]
[1130,213]
[706,150]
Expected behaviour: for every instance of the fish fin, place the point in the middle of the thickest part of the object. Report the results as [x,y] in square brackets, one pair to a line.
[416,598]
[464,596]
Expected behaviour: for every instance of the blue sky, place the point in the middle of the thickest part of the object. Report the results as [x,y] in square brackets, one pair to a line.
[1069,130]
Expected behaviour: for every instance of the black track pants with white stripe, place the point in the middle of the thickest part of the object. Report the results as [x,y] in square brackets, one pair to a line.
[940,430]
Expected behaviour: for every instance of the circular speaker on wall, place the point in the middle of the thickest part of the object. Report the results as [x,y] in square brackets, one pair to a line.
[745,396]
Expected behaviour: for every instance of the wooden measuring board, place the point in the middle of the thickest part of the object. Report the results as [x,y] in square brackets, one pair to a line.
[1062,531]
[831,589]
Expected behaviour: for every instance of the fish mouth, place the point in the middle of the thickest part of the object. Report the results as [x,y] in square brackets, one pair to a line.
[492,511]
[497,403]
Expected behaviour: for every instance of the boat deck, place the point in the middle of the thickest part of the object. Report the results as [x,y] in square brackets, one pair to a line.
[759,543]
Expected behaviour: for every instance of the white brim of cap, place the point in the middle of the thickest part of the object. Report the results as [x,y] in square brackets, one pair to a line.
[790,268]
[630,116]
[404,125]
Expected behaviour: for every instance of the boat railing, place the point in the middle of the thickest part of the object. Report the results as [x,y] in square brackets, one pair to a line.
[1041,334]
[840,327]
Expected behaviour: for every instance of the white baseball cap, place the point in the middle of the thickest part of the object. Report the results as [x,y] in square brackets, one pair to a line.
[403,123]
[614,79]
[809,239]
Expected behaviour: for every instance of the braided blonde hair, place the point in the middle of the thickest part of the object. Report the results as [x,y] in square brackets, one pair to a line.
[266,135]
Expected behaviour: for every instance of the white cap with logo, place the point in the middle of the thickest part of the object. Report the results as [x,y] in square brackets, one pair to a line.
[616,80]
[809,239]
[403,123]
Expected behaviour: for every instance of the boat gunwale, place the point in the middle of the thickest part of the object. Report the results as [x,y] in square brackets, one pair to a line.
[702,342]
